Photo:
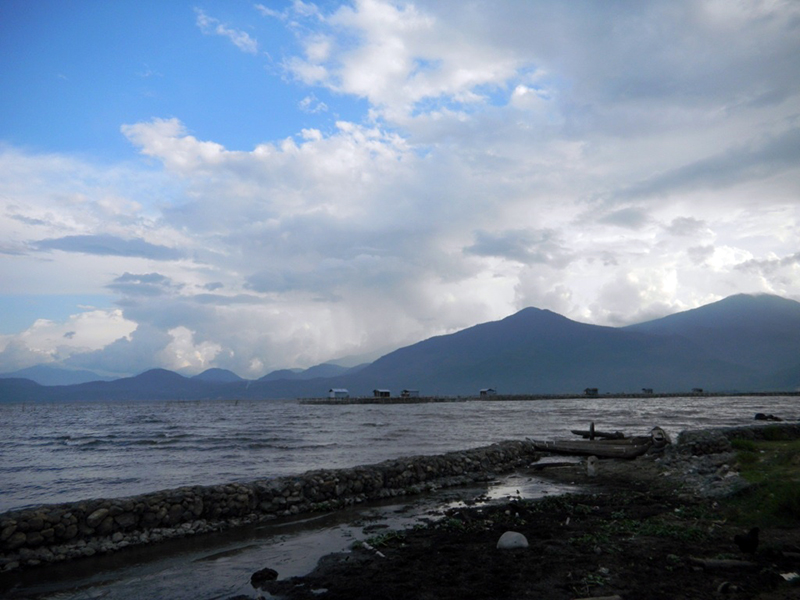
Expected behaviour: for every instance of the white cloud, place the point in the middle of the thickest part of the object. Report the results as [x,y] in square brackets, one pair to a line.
[513,154]
[240,39]
[50,341]
[183,353]
[310,104]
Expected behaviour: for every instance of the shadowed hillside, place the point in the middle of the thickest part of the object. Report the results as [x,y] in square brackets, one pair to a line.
[742,343]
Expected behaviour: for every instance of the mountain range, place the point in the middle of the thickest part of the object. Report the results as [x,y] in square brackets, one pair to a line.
[742,343]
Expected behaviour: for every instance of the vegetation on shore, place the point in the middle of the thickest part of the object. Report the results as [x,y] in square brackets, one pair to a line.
[772,466]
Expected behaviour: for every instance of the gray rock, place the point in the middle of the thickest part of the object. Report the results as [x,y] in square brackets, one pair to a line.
[261,577]
[510,540]
[97,517]
[16,540]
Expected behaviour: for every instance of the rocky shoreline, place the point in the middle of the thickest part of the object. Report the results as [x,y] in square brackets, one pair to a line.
[699,465]
[56,533]
[654,527]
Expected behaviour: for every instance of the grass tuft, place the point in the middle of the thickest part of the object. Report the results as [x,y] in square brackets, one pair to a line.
[773,467]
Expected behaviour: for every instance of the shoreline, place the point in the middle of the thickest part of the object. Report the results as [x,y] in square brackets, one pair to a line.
[535,397]
[58,533]
[655,527]
[696,466]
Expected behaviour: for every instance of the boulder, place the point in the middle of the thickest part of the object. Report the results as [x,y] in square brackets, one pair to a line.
[97,517]
[510,540]
[261,577]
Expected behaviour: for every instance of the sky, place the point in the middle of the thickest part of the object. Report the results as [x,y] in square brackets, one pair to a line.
[263,185]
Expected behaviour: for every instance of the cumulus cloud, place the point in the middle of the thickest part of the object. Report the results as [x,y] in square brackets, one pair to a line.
[127,355]
[510,155]
[406,58]
[48,341]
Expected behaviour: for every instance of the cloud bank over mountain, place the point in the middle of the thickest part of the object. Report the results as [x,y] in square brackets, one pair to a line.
[447,164]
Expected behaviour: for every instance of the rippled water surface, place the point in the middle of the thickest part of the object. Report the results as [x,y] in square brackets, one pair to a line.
[60,452]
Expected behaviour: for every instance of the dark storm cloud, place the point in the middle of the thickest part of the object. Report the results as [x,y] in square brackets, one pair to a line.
[28,220]
[149,284]
[109,245]
[12,249]
[326,278]
[699,254]
[541,246]
[767,266]
[220,300]
[686,226]
[631,218]
[753,161]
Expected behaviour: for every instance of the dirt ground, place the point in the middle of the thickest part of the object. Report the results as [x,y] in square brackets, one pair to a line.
[637,537]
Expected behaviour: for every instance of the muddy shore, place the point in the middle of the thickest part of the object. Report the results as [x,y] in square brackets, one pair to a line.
[654,527]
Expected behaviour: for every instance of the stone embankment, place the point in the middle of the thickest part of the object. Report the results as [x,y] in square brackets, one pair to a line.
[700,463]
[55,533]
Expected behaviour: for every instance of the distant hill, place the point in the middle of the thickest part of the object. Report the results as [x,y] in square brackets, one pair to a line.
[281,374]
[48,375]
[760,332]
[742,343]
[323,370]
[538,351]
[20,390]
[217,376]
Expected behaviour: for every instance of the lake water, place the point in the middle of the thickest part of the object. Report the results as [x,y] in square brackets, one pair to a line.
[61,452]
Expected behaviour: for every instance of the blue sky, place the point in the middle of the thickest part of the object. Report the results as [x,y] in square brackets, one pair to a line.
[75,71]
[262,185]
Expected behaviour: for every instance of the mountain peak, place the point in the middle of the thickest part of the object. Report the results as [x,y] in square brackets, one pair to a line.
[154,375]
[738,311]
[216,375]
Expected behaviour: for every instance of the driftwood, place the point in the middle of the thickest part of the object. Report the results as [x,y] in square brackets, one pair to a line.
[722,563]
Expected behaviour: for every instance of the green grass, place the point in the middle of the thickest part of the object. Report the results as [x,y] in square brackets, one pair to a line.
[743,445]
[378,541]
[676,525]
[773,467]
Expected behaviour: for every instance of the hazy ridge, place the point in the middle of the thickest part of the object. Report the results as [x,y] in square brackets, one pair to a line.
[741,343]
